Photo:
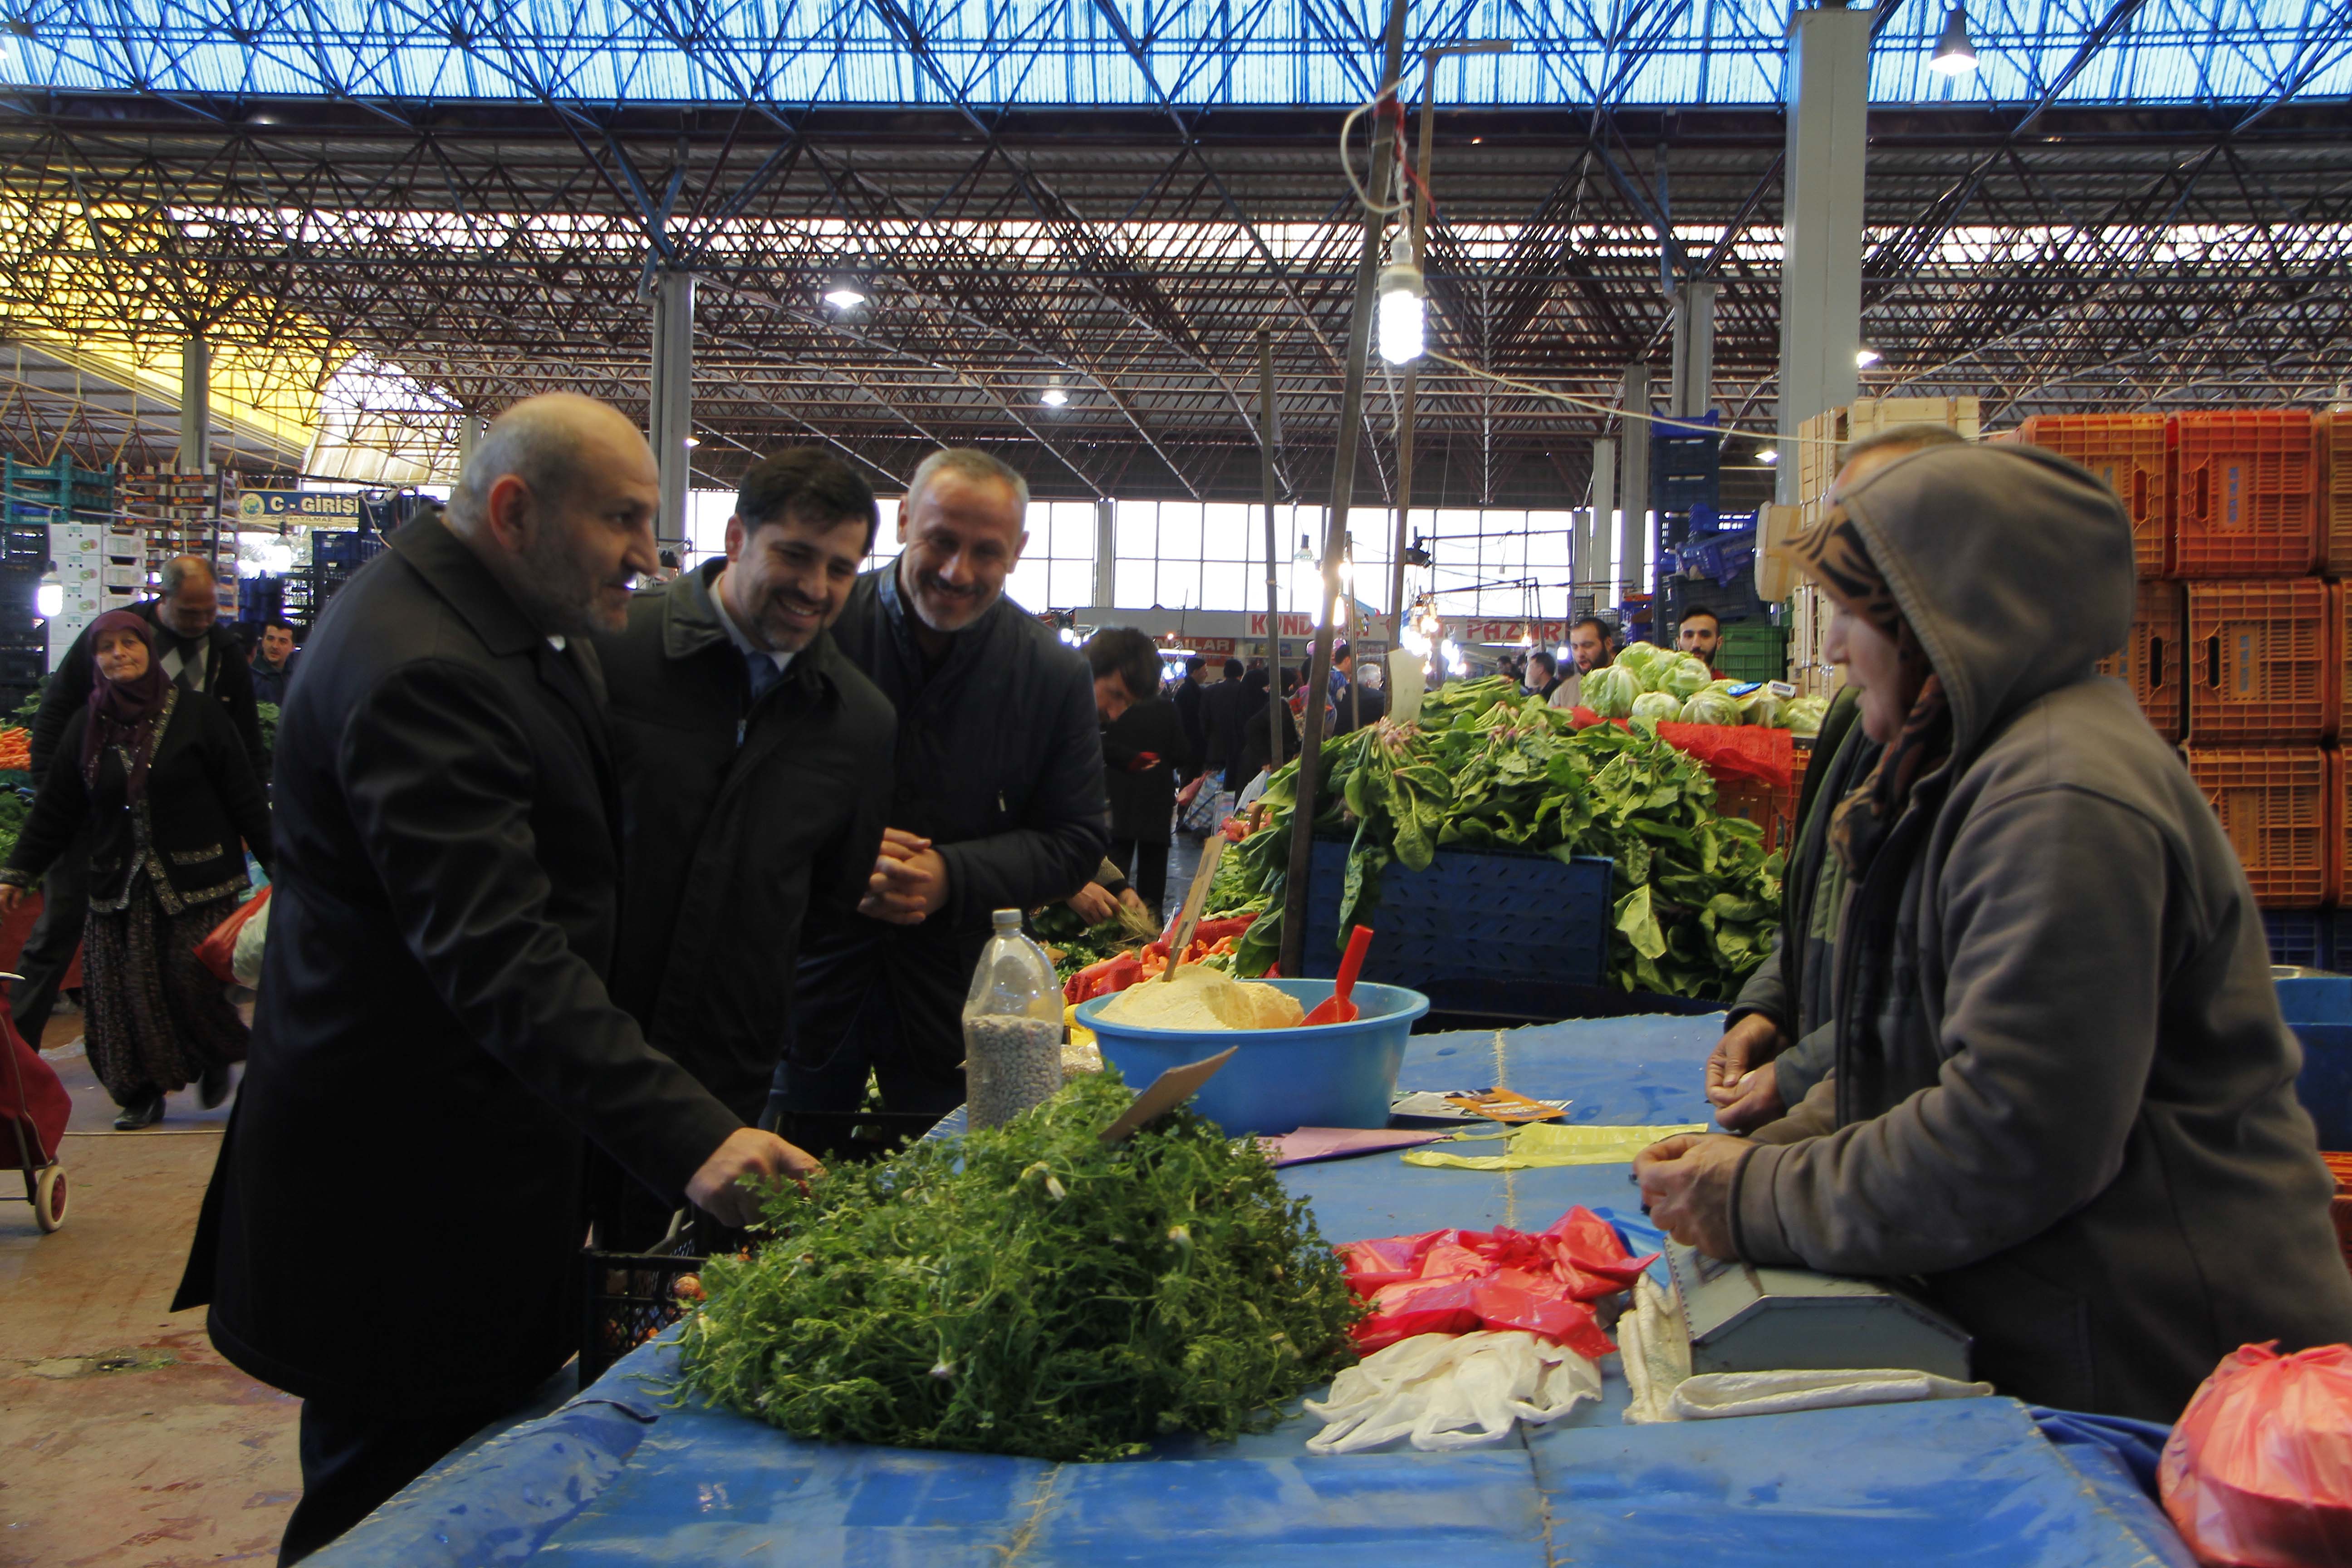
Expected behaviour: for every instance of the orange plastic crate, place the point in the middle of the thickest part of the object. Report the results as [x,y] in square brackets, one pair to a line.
[2155,661]
[2243,504]
[2263,661]
[2127,451]
[2275,804]
[2331,439]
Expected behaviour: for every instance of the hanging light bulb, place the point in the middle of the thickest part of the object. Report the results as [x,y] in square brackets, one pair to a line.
[1865,358]
[847,293]
[1769,456]
[1401,291]
[1955,56]
[49,596]
[1054,396]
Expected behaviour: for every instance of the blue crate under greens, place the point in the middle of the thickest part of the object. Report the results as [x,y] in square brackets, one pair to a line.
[2305,938]
[1472,915]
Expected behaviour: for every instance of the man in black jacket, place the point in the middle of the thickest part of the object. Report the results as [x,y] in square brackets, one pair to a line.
[1145,753]
[1187,698]
[200,657]
[393,1231]
[998,802]
[755,773]
[1221,715]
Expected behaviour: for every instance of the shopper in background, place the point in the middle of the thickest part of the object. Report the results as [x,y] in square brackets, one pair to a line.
[1589,648]
[434,1039]
[157,784]
[1145,754]
[1700,634]
[1354,704]
[754,765]
[1221,718]
[1778,1040]
[2063,1099]
[1543,675]
[998,802]
[273,662]
[1189,696]
[1254,759]
[198,654]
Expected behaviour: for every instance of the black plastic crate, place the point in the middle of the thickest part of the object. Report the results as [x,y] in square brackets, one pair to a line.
[24,544]
[2305,938]
[631,1297]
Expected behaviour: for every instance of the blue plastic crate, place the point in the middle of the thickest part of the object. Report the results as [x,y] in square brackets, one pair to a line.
[1686,493]
[1472,915]
[2304,937]
[2318,1008]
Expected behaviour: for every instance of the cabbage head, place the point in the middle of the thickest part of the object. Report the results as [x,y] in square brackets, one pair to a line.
[1804,714]
[1710,708]
[1764,710]
[1685,678]
[1657,707]
[1609,692]
[1645,659]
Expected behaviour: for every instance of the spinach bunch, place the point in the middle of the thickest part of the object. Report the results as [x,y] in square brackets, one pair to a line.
[1484,768]
[1026,1291]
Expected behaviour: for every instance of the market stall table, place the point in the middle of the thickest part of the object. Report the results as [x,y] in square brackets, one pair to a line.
[623,1475]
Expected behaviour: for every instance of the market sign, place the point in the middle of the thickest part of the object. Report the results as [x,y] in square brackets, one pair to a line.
[1512,631]
[298,506]
[1292,625]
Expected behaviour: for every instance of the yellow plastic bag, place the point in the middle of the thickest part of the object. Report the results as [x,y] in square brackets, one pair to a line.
[1548,1143]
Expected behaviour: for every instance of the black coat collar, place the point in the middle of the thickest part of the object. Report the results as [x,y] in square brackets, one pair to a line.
[453,570]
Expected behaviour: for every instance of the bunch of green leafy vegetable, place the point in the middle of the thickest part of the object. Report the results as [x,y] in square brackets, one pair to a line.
[1484,768]
[14,808]
[1064,931]
[267,711]
[1027,1291]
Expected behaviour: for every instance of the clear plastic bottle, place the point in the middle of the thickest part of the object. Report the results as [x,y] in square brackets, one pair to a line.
[1011,1028]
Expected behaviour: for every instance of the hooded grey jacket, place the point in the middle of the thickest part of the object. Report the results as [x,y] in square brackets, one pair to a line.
[2063,1095]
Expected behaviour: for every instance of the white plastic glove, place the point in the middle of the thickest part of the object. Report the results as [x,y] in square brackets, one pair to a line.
[1452,1391]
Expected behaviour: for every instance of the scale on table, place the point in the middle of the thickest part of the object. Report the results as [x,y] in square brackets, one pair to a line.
[1745,1317]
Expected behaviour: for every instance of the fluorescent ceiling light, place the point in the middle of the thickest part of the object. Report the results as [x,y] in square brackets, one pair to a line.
[1054,396]
[1865,358]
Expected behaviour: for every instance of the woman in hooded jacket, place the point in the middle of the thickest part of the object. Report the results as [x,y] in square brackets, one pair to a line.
[2063,1099]
[168,793]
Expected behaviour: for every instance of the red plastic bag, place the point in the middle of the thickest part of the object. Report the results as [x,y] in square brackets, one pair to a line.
[1455,1282]
[2259,1471]
[1729,752]
[216,949]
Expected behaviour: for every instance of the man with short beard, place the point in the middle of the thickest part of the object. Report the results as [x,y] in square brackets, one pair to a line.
[755,768]
[998,802]
[433,1042]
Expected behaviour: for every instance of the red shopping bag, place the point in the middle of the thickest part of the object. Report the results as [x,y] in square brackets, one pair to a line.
[216,949]
[1453,1281]
[2259,1471]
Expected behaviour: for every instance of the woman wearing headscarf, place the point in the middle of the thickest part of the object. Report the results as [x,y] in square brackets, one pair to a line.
[2062,1099]
[168,793]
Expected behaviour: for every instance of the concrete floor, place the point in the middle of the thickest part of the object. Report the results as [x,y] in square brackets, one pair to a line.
[125,1441]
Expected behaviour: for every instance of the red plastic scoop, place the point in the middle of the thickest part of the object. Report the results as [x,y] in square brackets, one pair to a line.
[1339,1009]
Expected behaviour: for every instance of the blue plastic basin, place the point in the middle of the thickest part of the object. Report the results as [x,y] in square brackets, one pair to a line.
[1332,1074]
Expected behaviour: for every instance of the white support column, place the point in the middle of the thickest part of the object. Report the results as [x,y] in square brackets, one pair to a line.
[1694,389]
[469,436]
[1634,487]
[195,406]
[671,425]
[1106,554]
[1592,566]
[1821,265]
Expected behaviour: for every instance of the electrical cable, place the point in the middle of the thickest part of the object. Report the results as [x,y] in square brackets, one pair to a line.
[1347,166]
[1533,390]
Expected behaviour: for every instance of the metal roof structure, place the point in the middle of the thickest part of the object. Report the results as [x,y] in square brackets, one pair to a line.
[415,208]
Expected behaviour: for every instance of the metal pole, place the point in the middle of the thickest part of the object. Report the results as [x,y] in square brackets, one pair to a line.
[671,425]
[1343,491]
[1267,443]
[1634,484]
[196,405]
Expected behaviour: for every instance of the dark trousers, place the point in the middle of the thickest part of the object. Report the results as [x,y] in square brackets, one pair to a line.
[887,1002]
[354,1459]
[56,937]
[1145,865]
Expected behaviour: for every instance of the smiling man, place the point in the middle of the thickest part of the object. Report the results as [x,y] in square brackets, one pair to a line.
[755,767]
[998,801]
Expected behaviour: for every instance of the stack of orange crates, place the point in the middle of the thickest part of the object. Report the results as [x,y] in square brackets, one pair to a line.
[2238,648]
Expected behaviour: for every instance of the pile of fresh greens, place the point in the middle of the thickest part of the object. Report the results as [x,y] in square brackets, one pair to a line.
[14,808]
[267,713]
[1484,768]
[1026,1291]
[1064,931]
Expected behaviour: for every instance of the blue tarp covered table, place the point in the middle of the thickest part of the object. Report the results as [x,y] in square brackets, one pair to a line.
[621,1477]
